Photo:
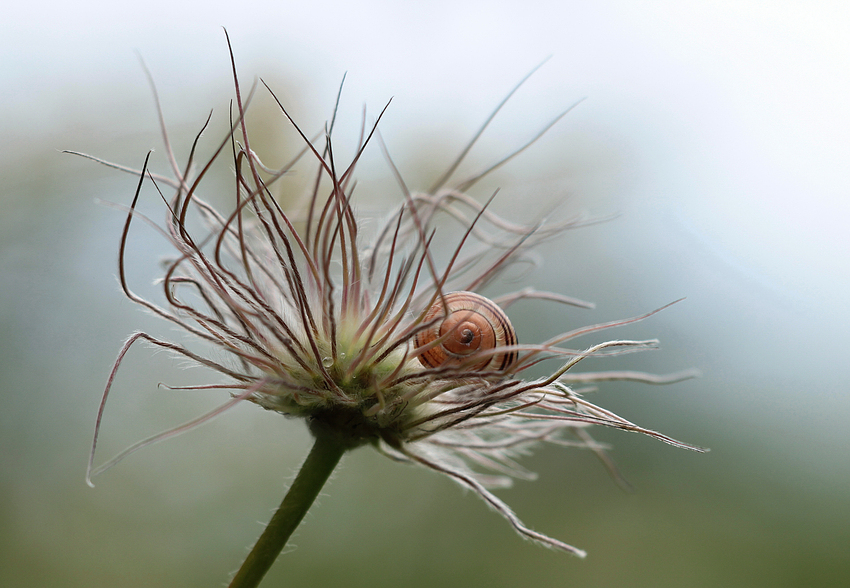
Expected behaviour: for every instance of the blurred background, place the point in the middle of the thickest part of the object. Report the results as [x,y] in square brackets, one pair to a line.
[717,131]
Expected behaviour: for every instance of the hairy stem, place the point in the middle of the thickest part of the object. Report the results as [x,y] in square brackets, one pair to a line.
[317,468]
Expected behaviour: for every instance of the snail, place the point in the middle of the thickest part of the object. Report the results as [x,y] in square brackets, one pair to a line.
[474,324]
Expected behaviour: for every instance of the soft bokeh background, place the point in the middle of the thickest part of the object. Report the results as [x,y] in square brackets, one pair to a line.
[718,131]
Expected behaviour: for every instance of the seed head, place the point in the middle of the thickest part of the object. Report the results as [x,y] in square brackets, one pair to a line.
[370,336]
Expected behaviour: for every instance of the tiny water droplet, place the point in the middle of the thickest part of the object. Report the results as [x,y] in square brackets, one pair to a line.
[327,361]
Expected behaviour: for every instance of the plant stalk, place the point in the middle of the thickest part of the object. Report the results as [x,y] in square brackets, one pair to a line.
[317,468]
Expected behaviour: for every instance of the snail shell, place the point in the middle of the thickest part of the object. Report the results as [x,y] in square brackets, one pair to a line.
[474,324]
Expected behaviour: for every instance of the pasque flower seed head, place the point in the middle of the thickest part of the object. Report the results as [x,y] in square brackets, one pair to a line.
[371,337]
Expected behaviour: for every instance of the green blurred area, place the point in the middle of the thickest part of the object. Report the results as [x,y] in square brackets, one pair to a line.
[767,507]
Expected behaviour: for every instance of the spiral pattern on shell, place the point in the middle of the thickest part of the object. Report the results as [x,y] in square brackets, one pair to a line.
[473,326]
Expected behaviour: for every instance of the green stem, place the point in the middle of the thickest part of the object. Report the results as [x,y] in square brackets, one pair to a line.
[317,468]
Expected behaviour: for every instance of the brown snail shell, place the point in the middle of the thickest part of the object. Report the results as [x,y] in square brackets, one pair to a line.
[474,324]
